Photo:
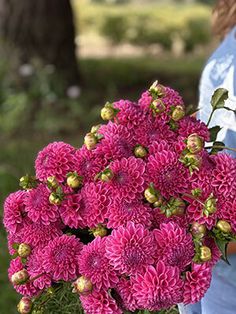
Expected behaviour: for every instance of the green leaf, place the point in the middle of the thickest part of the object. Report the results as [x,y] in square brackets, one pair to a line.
[218,98]
[222,246]
[214,132]
[15,246]
[191,109]
[219,146]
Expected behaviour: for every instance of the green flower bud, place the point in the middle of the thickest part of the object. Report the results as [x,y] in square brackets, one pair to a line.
[198,230]
[24,250]
[25,305]
[157,90]
[108,112]
[140,151]
[224,226]
[106,175]
[99,231]
[210,205]
[28,182]
[82,285]
[178,207]
[90,141]
[52,183]
[194,143]
[205,253]
[73,180]
[55,199]
[95,128]
[158,106]
[151,194]
[178,113]
[20,277]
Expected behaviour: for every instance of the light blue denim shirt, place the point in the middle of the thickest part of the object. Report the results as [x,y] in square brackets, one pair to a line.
[219,71]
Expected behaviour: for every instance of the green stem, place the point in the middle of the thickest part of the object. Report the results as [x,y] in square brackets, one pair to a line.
[194,198]
[209,120]
[221,147]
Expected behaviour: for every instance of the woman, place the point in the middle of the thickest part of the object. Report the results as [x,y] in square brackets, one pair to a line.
[220,71]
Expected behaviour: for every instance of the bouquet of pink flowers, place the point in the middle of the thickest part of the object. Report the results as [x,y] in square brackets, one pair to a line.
[135,219]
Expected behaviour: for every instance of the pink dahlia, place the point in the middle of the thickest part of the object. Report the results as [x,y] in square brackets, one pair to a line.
[38,207]
[60,258]
[197,283]
[120,213]
[72,210]
[27,289]
[158,288]
[189,125]
[89,163]
[35,270]
[56,159]
[124,289]
[118,142]
[159,146]
[127,182]
[167,173]
[130,249]
[174,245]
[14,211]
[97,198]
[94,264]
[172,98]
[99,303]
[130,114]
[38,235]
[227,211]
[223,177]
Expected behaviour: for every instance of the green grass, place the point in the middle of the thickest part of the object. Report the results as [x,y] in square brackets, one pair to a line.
[103,80]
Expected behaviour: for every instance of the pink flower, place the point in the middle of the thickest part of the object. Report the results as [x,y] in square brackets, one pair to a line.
[38,235]
[94,264]
[56,159]
[158,288]
[27,289]
[172,98]
[130,114]
[223,177]
[73,210]
[38,207]
[89,163]
[227,211]
[35,269]
[167,173]
[60,258]
[14,211]
[196,283]
[130,249]
[127,182]
[118,141]
[174,245]
[99,303]
[124,289]
[120,213]
[189,125]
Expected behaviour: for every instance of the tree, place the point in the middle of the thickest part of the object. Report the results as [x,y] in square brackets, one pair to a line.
[42,29]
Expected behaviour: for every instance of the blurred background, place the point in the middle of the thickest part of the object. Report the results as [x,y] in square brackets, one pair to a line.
[61,60]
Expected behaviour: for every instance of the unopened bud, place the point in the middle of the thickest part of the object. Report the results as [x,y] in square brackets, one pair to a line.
[82,285]
[210,205]
[99,231]
[25,305]
[178,113]
[158,106]
[108,112]
[151,195]
[140,151]
[73,180]
[224,226]
[55,199]
[28,182]
[194,143]
[106,175]
[95,128]
[198,230]
[205,253]
[20,277]
[24,250]
[178,207]
[90,141]
[192,161]
[157,90]
[52,183]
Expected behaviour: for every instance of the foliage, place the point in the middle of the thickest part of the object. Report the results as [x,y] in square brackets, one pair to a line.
[146,23]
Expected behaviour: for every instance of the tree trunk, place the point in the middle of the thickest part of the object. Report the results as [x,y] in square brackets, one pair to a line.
[42,29]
